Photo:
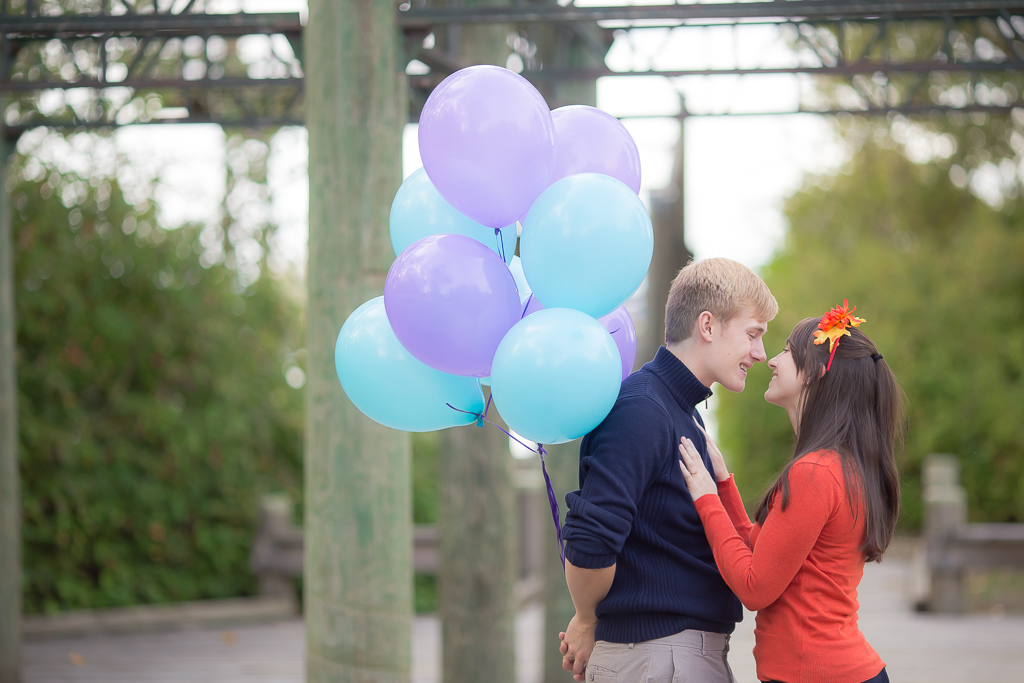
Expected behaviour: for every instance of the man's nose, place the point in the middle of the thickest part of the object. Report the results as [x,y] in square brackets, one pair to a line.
[759,354]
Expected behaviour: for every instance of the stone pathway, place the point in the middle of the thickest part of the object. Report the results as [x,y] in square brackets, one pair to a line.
[918,648]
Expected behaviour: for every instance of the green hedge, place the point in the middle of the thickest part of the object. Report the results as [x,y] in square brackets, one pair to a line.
[153,407]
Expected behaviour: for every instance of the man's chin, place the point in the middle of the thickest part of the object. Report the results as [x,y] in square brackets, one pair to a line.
[736,386]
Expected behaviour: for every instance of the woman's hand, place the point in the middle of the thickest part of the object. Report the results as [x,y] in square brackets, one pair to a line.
[698,480]
[717,460]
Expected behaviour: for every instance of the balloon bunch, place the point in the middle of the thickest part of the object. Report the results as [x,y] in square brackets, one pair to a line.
[547,328]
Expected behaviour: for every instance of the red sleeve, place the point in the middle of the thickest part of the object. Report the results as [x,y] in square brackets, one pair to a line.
[733,504]
[759,576]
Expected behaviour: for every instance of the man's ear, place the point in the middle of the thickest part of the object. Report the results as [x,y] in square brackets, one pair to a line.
[705,326]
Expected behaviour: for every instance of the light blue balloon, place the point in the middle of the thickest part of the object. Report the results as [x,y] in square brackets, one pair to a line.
[391,387]
[555,375]
[586,244]
[516,266]
[419,210]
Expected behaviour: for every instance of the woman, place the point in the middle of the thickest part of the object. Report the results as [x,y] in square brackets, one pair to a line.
[833,507]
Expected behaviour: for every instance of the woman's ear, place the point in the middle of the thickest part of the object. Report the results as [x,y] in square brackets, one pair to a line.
[705,326]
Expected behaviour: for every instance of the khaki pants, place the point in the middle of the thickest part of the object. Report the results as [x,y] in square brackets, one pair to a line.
[686,657]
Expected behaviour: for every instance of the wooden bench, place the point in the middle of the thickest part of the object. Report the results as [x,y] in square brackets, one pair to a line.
[277,552]
[951,545]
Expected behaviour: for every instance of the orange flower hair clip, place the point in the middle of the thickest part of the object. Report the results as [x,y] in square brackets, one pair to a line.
[833,326]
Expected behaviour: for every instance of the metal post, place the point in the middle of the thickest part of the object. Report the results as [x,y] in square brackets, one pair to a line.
[563,47]
[945,506]
[670,252]
[10,500]
[358,549]
[478,563]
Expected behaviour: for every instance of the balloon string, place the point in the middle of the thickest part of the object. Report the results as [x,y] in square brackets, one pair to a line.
[486,408]
[552,500]
[501,243]
[526,306]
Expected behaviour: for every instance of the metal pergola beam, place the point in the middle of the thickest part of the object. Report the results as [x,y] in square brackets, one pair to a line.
[17,26]
[906,110]
[853,69]
[25,29]
[154,84]
[804,10]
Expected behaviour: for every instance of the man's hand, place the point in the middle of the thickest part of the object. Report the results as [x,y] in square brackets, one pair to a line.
[577,645]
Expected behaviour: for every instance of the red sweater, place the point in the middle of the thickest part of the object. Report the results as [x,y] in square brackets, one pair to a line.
[800,572]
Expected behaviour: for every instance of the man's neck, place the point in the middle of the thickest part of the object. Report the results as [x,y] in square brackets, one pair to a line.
[688,352]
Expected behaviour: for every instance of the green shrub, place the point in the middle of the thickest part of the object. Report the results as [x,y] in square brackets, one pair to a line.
[153,409]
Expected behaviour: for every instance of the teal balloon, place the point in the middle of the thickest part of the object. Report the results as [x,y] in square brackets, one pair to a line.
[586,244]
[388,385]
[419,210]
[555,375]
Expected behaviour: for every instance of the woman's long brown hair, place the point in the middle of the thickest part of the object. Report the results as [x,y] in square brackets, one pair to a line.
[856,410]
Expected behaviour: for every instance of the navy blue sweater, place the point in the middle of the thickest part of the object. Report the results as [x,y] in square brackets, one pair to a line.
[633,510]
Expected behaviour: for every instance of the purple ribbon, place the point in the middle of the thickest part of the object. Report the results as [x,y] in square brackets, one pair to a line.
[501,243]
[552,500]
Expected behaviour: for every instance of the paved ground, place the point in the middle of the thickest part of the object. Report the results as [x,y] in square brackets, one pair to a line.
[917,648]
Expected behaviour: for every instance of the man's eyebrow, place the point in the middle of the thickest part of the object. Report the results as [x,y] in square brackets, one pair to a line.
[759,328]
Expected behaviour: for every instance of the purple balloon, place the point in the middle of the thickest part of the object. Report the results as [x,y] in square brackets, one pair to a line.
[450,300]
[588,140]
[618,323]
[487,141]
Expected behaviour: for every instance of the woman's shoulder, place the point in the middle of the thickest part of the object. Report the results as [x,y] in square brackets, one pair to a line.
[824,456]
[810,465]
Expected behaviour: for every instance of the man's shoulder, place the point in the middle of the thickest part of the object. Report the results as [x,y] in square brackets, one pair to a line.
[641,408]
[641,394]
[642,385]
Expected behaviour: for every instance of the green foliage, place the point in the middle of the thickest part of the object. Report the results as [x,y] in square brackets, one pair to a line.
[425,593]
[937,274]
[425,446]
[153,411]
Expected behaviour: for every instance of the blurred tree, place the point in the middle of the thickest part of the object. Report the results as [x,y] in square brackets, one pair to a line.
[936,273]
[154,399]
[981,149]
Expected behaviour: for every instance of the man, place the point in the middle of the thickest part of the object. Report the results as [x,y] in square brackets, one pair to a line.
[649,599]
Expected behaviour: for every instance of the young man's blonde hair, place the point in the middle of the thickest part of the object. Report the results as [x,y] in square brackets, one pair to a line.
[720,286]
